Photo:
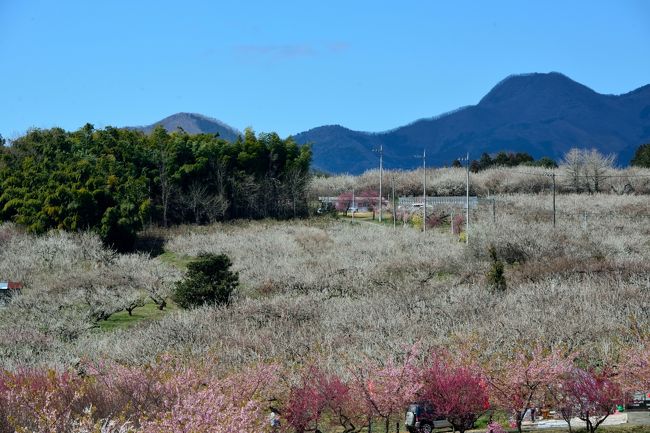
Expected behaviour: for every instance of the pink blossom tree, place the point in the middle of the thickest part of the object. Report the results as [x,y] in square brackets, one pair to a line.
[592,395]
[633,370]
[561,400]
[519,383]
[344,201]
[495,427]
[388,387]
[368,198]
[365,198]
[307,401]
[200,402]
[349,410]
[457,392]
[39,399]
[320,393]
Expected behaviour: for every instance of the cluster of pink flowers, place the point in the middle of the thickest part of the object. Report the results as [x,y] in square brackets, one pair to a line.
[175,395]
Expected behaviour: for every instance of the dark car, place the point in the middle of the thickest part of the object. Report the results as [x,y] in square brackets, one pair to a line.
[421,417]
[640,400]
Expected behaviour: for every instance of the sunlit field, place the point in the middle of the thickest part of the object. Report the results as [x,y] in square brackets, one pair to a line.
[335,293]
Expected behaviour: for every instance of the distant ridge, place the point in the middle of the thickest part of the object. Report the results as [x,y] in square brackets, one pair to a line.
[544,114]
[193,123]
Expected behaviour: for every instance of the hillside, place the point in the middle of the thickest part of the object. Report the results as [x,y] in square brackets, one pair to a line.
[193,123]
[542,114]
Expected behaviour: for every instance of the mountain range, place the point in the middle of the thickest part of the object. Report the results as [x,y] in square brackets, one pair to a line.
[543,114]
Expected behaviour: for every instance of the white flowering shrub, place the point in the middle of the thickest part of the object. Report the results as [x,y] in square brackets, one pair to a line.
[343,292]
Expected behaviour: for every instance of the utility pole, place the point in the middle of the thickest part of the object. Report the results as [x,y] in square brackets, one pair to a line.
[552,176]
[424,189]
[467,205]
[380,150]
[494,211]
[452,221]
[553,198]
[466,199]
[392,181]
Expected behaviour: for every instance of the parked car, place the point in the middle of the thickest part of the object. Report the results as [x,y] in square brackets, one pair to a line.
[640,400]
[326,208]
[421,418]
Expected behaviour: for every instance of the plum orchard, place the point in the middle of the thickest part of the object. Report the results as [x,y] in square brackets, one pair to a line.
[174,395]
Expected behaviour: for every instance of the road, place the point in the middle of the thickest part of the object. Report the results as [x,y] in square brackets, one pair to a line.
[638,417]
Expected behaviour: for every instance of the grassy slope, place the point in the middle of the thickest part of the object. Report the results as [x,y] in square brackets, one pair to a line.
[149,311]
[178,260]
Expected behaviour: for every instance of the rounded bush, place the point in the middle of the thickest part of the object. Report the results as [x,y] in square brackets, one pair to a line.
[208,281]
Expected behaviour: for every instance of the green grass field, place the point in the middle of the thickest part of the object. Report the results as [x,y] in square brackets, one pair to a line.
[179,261]
[122,320]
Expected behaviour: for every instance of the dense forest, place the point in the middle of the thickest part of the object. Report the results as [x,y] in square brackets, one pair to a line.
[506,159]
[115,181]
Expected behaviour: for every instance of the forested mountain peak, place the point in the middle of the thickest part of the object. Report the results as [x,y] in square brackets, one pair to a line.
[542,114]
[532,87]
[194,123]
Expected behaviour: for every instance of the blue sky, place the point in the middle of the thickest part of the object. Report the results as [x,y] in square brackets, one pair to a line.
[288,66]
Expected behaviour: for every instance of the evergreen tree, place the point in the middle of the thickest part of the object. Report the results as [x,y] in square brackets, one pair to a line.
[208,281]
[642,156]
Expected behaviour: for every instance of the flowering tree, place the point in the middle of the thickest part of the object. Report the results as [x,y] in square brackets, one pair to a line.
[495,427]
[561,400]
[349,410]
[519,383]
[593,395]
[457,392]
[344,201]
[633,372]
[307,401]
[203,403]
[39,400]
[389,387]
[366,198]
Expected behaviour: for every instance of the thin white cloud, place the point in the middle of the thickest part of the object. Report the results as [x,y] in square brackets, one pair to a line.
[286,51]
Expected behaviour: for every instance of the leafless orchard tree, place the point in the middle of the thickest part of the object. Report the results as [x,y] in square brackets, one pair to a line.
[216,207]
[596,168]
[580,171]
[338,293]
[196,199]
[296,183]
[573,165]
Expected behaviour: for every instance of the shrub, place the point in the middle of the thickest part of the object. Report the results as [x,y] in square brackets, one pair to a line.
[458,223]
[416,220]
[435,219]
[496,277]
[208,281]
[495,427]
